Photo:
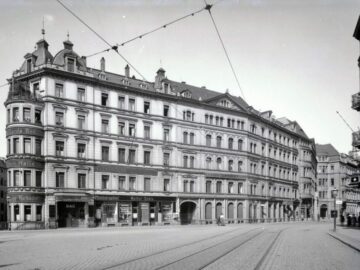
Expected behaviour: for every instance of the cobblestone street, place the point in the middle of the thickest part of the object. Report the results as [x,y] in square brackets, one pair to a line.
[245,246]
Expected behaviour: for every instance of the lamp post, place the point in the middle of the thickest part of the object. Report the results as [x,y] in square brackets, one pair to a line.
[334,194]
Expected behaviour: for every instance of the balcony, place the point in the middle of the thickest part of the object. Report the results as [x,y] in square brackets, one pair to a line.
[355,101]
[356,139]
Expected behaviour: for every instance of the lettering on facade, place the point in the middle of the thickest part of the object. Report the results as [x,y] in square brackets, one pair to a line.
[26,198]
[123,169]
[25,131]
[24,163]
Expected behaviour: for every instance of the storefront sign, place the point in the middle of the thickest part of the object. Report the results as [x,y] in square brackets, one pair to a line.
[72,198]
[107,198]
[25,131]
[144,198]
[26,198]
[70,206]
[24,163]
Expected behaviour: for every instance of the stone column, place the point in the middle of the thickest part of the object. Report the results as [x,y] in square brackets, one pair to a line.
[86,210]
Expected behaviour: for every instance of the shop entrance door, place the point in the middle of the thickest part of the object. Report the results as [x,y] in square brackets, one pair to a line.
[71,214]
[187,210]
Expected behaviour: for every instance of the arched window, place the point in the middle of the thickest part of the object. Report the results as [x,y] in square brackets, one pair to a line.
[218,163]
[192,162]
[185,137]
[240,211]
[208,140]
[208,211]
[218,187]
[218,210]
[231,143]
[208,163]
[240,144]
[230,165]
[230,211]
[240,163]
[208,186]
[218,141]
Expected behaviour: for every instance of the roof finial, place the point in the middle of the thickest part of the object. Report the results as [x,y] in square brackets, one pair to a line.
[68,35]
[43,28]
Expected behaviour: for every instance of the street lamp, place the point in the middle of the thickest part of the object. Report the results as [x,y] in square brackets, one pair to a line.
[334,193]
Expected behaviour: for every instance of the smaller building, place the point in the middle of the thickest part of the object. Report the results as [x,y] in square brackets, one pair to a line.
[3,183]
[334,172]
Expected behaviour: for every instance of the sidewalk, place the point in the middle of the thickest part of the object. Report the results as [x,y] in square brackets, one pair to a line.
[349,236]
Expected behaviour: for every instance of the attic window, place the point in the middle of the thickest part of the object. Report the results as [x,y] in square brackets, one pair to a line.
[225,103]
[28,65]
[186,94]
[144,86]
[124,81]
[70,64]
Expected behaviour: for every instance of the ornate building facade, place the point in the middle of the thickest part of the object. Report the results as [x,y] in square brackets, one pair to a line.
[3,182]
[87,147]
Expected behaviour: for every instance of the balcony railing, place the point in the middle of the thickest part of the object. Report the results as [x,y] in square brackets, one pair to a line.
[355,101]
[356,139]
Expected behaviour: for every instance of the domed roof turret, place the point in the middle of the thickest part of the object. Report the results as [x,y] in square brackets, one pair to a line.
[59,58]
[40,56]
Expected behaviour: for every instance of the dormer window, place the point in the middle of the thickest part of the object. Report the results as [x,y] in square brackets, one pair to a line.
[144,86]
[225,103]
[186,94]
[70,64]
[28,65]
[126,82]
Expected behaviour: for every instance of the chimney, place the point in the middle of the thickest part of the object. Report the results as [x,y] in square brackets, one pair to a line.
[127,71]
[160,75]
[102,64]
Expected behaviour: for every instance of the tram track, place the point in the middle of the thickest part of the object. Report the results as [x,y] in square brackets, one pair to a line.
[118,265]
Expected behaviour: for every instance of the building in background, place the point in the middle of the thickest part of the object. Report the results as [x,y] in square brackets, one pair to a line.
[3,183]
[87,147]
[334,172]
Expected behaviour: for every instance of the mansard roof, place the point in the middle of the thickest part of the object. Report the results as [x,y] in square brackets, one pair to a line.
[326,150]
[41,55]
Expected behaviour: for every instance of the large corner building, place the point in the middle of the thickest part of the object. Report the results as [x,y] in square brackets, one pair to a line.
[87,147]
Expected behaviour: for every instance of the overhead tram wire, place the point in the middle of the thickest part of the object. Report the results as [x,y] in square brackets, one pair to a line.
[5,84]
[115,48]
[208,8]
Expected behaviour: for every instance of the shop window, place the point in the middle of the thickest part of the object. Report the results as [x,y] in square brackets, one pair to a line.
[147,107]
[105,153]
[27,145]
[166,184]
[38,116]
[81,94]
[104,99]
[16,116]
[16,213]
[166,111]
[208,186]
[121,102]
[38,147]
[147,132]
[27,178]
[81,180]
[52,211]
[121,155]
[104,181]
[147,184]
[81,147]
[60,179]
[147,157]
[81,122]
[59,90]
[38,179]
[131,104]
[166,159]
[121,183]
[38,212]
[16,146]
[59,145]
[132,183]
[26,114]
[59,119]
[27,212]
[132,156]
[104,125]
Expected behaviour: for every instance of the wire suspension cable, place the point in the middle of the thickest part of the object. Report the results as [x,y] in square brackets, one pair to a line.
[5,84]
[115,48]
[208,8]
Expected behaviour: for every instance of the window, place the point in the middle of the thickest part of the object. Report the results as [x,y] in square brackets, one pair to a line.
[104,99]
[231,143]
[105,153]
[27,214]
[131,104]
[121,103]
[132,130]
[166,111]
[121,127]
[230,187]
[59,90]
[208,187]
[16,178]
[16,145]
[166,159]
[81,122]
[185,187]
[147,107]
[27,178]
[146,184]
[218,141]
[185,161]
[81,150]
[147,157]
[208,140]
[28,65]
[81,180]
[38,212]
[218,187]
[192,162]
[104,182]
[208,163]
[132,156]
[240,163]
[121,155]
[16,117]
[121,182]
[231,165]
[218,163]
[104,125]
[192,138]
[60,179]
[59,147]
[147,132]
[132,182]
[38,147]
[166,184]
[8,146]
[27,145]
[166,134]
[70,64]
[36,89]
[26,114]
[38,179]
[332,181]
[38,116]
[81,94]
[59,118]
[240,188]
[192,186]
[185,137]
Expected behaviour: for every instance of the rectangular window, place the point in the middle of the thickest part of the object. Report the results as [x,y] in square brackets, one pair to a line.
[26,114]
[147,107]
[38,116]
[81,180]
[16,145]
[192,138]
[166,184]
[27,178]
[70,64]
[240,188]
[121,155]
[38,147]
[28,65]
[231,187]
[166,134]
[166,111]
[16,178]
[81,150]
[208,186]
[59,90]
[185,186]
[81,122]
[131,156]
[36,89]
[147,157]
[27,214]
[60,179]
[105,153]
[38,212]
[146,184]
[81,94]
[104,125]
[104,99]
[104,181]
[27,145]
[59,145]
[147,132]
[132,183]
[38,178]
[121,182]
[192,186]
[16,117]
[218,187]
[166,159]
[132,130]
[121,103]
[59,118]
[131,104]
[121,127]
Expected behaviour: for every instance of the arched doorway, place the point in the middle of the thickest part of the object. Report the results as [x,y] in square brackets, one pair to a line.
[240,210]
[187,210]
[218,210]
[208,211]
[323,211]
[230,212]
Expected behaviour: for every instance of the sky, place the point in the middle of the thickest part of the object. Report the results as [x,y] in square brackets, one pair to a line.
[296,58]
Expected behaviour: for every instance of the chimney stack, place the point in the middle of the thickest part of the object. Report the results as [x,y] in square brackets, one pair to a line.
[102,64]
[83,58]
[127,71]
